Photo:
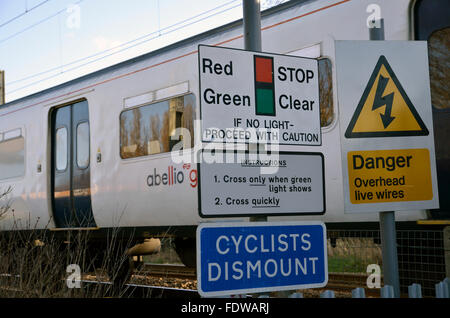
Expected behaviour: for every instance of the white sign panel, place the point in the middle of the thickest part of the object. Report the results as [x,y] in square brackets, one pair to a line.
[289,183]
[258,97]
[386,126]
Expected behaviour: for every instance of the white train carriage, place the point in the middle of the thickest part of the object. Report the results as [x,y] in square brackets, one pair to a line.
[95,152]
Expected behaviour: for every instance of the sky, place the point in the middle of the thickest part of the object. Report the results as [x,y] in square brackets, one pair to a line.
[47,42]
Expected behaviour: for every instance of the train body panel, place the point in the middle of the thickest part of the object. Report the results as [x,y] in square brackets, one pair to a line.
[151,190]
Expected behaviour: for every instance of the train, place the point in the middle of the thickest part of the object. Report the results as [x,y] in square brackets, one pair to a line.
[94,153]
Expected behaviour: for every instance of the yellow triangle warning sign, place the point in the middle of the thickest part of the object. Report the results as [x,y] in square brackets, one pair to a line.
[384,109]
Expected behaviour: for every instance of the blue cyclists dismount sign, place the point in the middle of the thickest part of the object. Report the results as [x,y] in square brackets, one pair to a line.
[249,257]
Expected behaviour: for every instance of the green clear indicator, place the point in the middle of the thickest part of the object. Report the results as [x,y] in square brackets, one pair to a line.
[264,86]
[264,102]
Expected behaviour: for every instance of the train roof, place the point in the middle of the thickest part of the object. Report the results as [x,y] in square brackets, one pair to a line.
[140,58]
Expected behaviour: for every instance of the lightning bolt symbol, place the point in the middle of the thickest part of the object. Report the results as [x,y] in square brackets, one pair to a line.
[380,101]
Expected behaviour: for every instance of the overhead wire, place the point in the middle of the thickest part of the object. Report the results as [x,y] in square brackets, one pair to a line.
[120,45]
[23,13]
[157,32]
[35,24]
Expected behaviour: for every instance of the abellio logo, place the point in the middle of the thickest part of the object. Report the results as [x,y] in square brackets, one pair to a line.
[172,176]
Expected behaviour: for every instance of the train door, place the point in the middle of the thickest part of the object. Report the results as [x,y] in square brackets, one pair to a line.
[432,24]
[71,190]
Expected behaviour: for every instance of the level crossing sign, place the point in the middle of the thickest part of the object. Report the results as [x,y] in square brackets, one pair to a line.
[255,97]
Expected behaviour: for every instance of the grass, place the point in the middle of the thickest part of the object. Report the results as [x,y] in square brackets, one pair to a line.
[348,264]
[353,255]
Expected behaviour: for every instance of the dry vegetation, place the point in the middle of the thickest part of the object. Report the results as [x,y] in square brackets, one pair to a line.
[34,263]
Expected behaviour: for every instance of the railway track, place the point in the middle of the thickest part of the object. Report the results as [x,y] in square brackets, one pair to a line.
[176,270]
[169,270]
[10,284]
[342,282]
[106,289]
[348,281]
[169,281]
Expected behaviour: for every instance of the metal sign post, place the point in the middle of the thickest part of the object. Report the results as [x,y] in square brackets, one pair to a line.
[247,182]
[252,25]
[387,219]
[252,42]
[387,142]
[2,87]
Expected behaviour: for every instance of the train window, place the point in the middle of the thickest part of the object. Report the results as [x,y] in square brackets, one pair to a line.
[325,92]
[151,129]
[325,82]
[83,145]
[61,148]
[432,24]
[12,158]
[439,60]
